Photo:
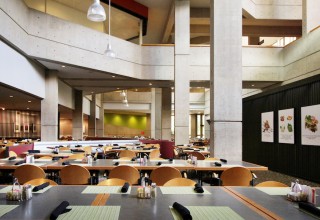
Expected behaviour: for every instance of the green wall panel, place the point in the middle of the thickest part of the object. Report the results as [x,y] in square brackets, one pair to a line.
[123,120]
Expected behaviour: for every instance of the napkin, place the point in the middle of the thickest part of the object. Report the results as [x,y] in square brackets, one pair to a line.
[159,163]
[223,160]
[309,208]
[66,163]
[11,158]
[41,186]
[116,163]
[20,162]
[33,151]
[217,164]
[198,188]
[62,208]
[183,211]
[125,187]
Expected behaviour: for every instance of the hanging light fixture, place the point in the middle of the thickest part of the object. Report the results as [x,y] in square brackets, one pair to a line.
[96,12]
[109,52]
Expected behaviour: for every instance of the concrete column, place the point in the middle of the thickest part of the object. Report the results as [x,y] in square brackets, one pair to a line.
[77,116]
[156,113]
[226,79]
[100,120]
[166,114]
[92,117]
[310,15]
[253,40]
[181,71]
[49,108]
[207,113]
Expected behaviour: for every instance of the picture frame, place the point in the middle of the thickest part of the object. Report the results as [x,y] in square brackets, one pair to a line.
[26,128]
[16,128]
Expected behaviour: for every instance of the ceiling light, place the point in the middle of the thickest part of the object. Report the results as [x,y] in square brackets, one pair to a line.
[113,76]
[11,96]
[118,88]
[136,90]
[29,101]
[96,12]
[252,85]
[63,66]
[28,108]
[109,52]
[3,109]
[150,84]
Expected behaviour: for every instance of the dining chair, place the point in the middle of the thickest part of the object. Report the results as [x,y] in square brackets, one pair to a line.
[74,175]
[161,175]
[46,157]
[199,155]
[127,153]
[112,182]
[87,149]
[76,156]
[271,184]
[236,176]
[28,172]
[39,181]
[180,182]
[154,154]
[63,148]
[12,154]
[125,172]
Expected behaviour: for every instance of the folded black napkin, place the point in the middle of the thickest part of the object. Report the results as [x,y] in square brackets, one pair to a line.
[115,147]
[196,149]
[100,145]
[39,187]
[19,162]
[78,146]
[170,159]
[116,163]
[183,211]
[159,163]
[188,148]
[309,208]
[146,148]
[11,158]
[55,152]
[223,160]
[125,187]
[217,164]
[115,144]
[198,188]
[55,158]
[77,150]
[33,151]
[62,208]
[66,163]
[133,159]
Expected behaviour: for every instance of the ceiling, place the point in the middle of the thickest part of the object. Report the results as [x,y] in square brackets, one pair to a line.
[160,28]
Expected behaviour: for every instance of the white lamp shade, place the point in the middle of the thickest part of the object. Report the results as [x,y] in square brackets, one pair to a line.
[96,12]
[109,52]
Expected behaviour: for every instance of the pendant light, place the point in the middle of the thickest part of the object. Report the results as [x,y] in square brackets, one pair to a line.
[96,12]
[109,52]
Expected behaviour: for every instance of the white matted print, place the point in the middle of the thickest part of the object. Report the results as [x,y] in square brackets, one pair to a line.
[310,133]
[286,126]
[267,127]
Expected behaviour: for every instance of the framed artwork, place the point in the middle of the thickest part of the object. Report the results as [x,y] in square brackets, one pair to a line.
[17,128]
[286,126]
[267,127]
[26,128]
[310,133]
[34,128]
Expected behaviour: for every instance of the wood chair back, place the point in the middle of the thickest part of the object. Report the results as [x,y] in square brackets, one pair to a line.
[74,175]
[127,153]
[39,181]
[112,182]
[161,175]
[154,154]
[12,154]
[180,182]
[199,155]
[128,173]
[63,148]
[27,172]
[236,176]
[271,184]
[87,149]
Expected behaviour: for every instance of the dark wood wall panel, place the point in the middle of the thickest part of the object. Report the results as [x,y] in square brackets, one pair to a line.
[293,159]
